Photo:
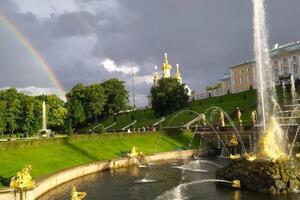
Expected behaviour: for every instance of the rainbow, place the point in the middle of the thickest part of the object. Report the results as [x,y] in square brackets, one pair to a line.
[34,53]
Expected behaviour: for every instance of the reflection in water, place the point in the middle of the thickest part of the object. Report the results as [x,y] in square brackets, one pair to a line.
[121,184]
[237,195]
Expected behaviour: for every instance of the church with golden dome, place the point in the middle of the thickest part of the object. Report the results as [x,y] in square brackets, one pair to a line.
[166,71]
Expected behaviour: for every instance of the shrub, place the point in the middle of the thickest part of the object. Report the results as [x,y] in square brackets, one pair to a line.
[100,129]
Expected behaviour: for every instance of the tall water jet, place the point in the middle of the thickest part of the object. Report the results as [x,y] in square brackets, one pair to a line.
[262,58]
[266,92]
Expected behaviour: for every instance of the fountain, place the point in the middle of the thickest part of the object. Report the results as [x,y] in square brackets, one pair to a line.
[270,170]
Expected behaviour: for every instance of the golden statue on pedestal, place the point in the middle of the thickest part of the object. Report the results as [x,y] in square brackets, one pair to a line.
[23,179]
[77,195]
[233,141]
[236,183]
[234,157]
[222,119]
[239,116]
[202,119]
[253,117]
[250,156]
[134,153]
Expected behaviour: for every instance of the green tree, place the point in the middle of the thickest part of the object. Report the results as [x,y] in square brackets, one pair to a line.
[3,120]
[168,96]
[12,115]
[117,96]
[75,105]
[75,113]
[27,118]
[56,111]
[95,100]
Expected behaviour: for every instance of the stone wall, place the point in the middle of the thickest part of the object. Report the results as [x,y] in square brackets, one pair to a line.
[45,184]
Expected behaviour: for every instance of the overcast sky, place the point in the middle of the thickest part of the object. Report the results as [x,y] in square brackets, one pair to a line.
[93,40]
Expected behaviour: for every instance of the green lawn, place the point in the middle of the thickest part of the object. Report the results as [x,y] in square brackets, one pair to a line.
[145,117]
[48,156]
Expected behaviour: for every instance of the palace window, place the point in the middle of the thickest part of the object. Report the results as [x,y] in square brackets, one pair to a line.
[294,59]
[276,73]
[285,71]
[295,67]
[284,62]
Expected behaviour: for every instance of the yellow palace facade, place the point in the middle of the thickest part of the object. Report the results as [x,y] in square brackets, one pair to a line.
[285,60]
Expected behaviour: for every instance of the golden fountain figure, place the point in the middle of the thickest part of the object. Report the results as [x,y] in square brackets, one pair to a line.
[233,143]
[134,153]
[236,183]
[250,157]
[75,195]
[222,119]
[253,117]
[23,179]
[202,119]
[239,116]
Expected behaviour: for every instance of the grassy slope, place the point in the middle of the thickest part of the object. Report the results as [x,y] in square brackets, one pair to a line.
[226,102]
[68,152]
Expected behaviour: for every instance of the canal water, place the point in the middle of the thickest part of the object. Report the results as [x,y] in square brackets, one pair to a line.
[163,180]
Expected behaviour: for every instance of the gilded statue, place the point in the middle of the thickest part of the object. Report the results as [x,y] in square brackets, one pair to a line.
[239,116]
[233,141]
[253,117]
[222,119]
[75,195]
[134,153]
[202,119]
[23,179]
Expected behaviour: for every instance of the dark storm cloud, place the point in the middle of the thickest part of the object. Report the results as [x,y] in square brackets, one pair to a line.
[203,36]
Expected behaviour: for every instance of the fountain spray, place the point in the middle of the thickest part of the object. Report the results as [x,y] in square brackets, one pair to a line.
[262,58]
[272,141]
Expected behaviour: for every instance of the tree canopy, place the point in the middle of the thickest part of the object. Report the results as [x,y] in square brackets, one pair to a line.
[20,113]
[168,96]
[86,104]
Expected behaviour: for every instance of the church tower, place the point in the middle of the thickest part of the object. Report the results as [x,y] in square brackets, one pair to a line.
[178,75]
[166,67]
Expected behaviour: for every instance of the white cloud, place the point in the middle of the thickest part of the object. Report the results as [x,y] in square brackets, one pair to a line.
[44,8]
[126,69]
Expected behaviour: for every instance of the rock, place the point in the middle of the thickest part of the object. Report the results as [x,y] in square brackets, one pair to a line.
[262,175]
[276,176]
[280,184]
[273,190]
